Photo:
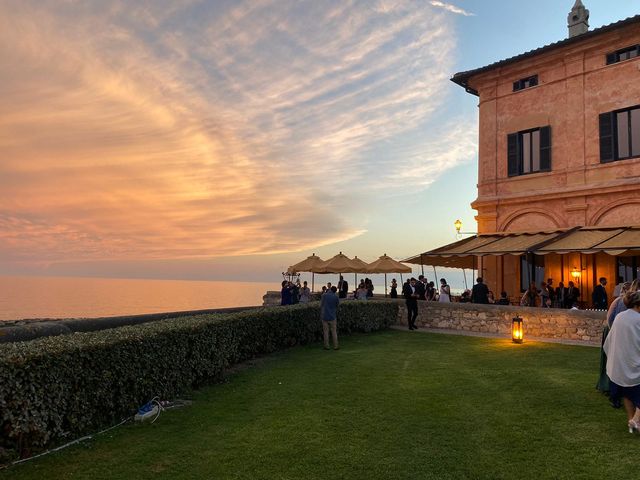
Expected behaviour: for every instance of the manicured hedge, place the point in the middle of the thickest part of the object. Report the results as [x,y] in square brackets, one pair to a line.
[60,387]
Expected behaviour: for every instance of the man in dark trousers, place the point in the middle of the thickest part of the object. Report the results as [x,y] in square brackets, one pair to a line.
[561,295]
[573,294]
[329,316]
[343,288]
[480,292]
[421,288]
[411,296]
[599,295]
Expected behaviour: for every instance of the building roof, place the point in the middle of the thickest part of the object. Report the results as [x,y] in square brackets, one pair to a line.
[462,78]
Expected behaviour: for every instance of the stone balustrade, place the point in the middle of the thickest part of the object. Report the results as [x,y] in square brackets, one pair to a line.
[551,323]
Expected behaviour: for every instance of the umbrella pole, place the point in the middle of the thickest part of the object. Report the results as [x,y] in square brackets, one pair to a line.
[421,265]
[401,282]
[436,274]
[313,277]
[464,274]
[385,285]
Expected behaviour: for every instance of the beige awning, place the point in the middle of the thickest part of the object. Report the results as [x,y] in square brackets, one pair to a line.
[462,254]
[613,241]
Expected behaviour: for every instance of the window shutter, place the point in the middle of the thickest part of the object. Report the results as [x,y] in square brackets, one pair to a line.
[607,144]
[611,58]
[545,148]
[513,154]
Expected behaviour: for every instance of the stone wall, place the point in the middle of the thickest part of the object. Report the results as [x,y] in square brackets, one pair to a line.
[550,323]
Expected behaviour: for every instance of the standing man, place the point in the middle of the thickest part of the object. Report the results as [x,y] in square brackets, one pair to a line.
[343,287]
[411,297]
[561,296]
[480,292]
[573,293]
[329,316]
[421,288]
[599,295]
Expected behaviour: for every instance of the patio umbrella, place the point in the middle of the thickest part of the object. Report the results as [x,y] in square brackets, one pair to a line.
[337,264]
[307,265]
[385,264]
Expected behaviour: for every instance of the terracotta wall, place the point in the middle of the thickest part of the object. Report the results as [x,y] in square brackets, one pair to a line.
[575,86]
[543,323]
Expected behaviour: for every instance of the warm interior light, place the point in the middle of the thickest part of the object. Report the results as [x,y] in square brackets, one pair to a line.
[517,330]
[458,225]
[575,273]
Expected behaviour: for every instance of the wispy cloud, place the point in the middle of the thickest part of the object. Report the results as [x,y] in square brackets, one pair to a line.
[187,129]
[451,8]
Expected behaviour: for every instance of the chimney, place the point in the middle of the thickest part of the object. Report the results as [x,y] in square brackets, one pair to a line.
[578,20]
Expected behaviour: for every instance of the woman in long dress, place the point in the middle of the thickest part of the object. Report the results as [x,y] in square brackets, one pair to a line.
[445,291]
[622,347]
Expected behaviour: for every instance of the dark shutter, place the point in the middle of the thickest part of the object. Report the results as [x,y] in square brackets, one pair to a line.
[513,154]
[611,58]
[607,140]
[545,148]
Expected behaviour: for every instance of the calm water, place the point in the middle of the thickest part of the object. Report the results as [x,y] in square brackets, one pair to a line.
[63,297]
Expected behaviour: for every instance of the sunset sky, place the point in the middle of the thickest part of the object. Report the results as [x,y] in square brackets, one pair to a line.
[228,139]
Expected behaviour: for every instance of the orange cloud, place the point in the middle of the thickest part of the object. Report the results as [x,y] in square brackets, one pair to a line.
[183,130]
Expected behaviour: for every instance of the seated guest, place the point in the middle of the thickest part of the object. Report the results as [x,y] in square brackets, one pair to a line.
[466,296]
[504,299]
[490,298]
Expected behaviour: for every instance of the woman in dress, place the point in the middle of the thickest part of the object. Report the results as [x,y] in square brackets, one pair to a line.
[305,293]
[445,291]
[530,296]
[622,347]
[394,288]
[361,293]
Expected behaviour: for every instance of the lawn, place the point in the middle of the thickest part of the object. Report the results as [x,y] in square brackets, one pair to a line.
[391,405]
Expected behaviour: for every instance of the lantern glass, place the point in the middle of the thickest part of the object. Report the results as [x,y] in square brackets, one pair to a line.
[517,330]
[458,225]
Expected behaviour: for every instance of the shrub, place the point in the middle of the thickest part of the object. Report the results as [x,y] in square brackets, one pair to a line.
[69,384]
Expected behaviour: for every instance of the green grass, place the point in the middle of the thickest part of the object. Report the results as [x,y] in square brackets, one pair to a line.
[392,405]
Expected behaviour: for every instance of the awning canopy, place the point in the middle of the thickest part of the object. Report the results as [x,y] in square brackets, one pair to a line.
[462,254]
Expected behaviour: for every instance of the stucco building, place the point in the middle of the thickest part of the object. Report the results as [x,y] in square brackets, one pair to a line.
[559,161]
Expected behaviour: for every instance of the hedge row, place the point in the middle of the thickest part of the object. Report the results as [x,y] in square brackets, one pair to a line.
[67,385]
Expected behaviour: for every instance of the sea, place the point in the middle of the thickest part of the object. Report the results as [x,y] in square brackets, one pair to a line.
[80,297]
[72,297]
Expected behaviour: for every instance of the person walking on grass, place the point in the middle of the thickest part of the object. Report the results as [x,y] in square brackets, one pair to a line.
[622,347]
[329,316]
[411,296]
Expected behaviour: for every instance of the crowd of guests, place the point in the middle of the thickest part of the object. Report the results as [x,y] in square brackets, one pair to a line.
[548,296]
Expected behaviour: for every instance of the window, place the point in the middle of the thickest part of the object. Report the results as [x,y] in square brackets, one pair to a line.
[529,151]
[525,83]
[531,270]
[628,268]
[624,54]
[620,134]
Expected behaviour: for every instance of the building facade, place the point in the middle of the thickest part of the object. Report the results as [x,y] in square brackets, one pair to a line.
[559,147]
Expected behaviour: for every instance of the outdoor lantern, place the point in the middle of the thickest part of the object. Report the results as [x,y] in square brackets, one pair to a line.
[517,330]
[458,225]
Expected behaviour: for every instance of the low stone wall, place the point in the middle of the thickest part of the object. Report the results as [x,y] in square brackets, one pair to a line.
[551,323]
